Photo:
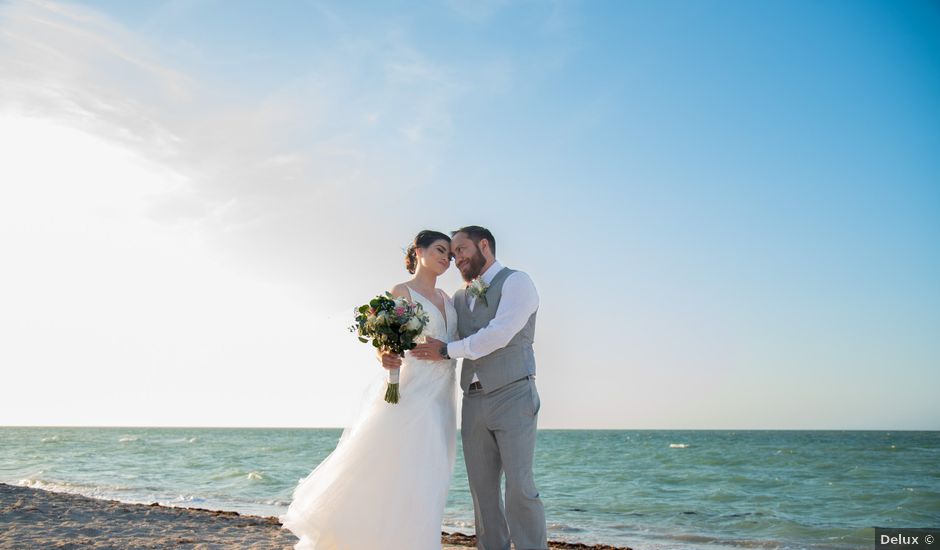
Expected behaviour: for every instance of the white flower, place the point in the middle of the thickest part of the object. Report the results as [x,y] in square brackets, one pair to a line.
[414,324]
[478,288]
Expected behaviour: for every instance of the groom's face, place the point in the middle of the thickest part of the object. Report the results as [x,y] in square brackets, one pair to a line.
[467,255]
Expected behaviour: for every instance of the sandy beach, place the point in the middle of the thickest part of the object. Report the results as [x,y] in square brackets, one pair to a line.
[34,518]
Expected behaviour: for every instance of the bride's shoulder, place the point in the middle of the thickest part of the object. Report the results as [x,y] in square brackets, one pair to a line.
[401,290]
[446,296]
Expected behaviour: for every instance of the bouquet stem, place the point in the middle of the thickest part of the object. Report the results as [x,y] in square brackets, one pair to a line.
[391,392]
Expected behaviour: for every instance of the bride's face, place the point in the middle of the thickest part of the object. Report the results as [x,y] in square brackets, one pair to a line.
[436,257]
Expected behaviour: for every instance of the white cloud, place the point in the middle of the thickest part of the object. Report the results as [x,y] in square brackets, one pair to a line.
[170,242]
[266,181]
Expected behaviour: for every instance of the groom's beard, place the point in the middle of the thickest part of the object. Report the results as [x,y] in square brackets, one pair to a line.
[474,266]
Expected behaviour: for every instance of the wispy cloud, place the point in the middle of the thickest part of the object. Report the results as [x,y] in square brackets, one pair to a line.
[265,179]
[75,65]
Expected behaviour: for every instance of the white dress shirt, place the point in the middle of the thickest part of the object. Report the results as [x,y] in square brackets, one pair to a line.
[518,302]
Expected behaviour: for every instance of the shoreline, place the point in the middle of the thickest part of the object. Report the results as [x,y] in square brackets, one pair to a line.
[38,518]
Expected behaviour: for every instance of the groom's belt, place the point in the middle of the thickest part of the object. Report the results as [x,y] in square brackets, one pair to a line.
[478,386]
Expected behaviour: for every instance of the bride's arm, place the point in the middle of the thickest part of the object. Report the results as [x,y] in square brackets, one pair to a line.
[401,291]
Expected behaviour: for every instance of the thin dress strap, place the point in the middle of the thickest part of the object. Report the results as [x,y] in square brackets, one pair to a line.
[431,304]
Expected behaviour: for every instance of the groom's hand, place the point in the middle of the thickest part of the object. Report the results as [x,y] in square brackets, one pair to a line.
[389,360]
[428,351]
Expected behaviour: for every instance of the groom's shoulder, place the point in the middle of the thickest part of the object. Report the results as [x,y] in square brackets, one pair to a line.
[513,271]
[517,276]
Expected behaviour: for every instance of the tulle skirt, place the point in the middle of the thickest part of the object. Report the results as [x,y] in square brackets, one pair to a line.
[385,485]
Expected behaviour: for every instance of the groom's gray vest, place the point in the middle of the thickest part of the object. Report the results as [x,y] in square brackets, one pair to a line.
[505,365]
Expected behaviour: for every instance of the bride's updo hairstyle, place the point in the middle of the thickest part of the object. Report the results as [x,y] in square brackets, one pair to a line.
[423,239]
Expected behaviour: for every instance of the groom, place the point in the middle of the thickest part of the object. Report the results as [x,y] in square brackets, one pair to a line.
[496,321]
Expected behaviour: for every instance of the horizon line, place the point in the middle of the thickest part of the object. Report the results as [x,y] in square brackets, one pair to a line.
[458,429]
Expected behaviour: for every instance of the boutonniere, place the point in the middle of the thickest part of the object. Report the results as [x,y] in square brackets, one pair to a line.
[478,289]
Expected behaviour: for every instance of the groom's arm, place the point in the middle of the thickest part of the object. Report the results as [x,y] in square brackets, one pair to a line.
[518,302]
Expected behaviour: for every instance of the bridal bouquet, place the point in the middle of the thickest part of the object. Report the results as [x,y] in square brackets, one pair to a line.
[393,325]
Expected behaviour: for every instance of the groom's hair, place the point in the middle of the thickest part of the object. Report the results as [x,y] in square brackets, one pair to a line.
[476,234]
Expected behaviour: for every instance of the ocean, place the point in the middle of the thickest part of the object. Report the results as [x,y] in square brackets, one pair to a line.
[647,489]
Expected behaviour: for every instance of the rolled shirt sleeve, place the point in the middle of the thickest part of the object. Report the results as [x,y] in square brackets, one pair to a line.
[518,302]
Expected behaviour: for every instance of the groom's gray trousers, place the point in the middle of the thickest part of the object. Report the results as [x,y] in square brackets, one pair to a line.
[498,433]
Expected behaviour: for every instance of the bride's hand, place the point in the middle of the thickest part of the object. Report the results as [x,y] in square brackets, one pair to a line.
[389,360]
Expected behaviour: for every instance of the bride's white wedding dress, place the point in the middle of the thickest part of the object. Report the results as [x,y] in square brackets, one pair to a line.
[385,485]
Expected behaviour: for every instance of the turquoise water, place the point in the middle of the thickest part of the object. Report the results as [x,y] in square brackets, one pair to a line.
[645,489]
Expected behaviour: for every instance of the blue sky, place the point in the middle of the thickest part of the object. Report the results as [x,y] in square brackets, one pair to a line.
[730,209]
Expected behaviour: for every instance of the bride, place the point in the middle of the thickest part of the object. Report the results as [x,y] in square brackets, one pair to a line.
[385,485]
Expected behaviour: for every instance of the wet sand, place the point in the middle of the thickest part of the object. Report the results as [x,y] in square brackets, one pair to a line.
[34,518]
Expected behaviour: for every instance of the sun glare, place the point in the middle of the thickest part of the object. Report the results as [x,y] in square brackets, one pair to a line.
[101,300]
